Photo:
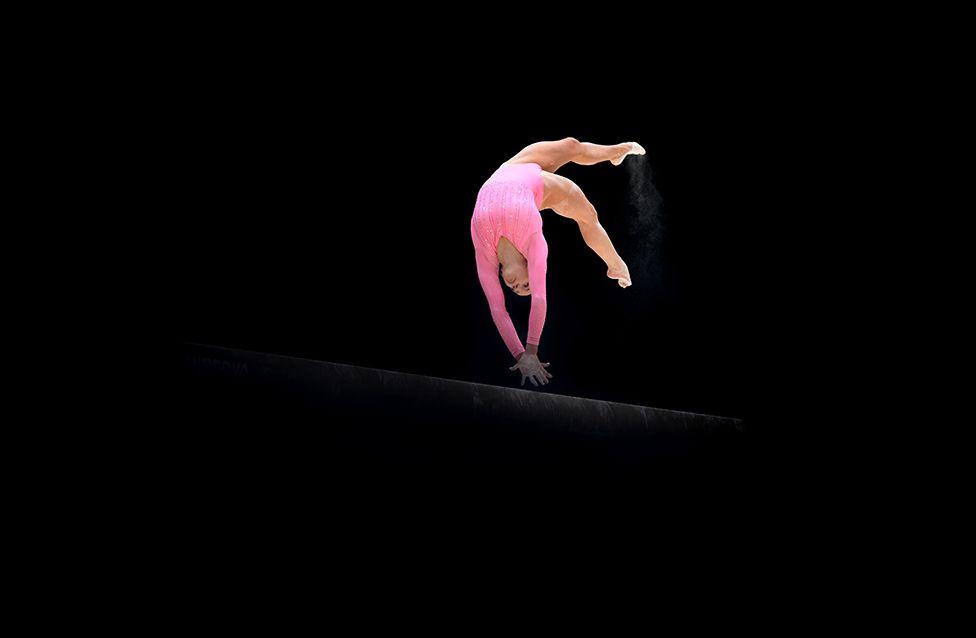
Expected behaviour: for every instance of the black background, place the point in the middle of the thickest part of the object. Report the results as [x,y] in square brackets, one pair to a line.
[308,192]
[327,217]
[314,202]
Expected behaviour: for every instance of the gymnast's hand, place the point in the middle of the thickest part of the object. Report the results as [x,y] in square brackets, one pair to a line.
[532,369]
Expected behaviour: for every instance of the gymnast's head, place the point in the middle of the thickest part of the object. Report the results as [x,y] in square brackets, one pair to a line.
[516,277]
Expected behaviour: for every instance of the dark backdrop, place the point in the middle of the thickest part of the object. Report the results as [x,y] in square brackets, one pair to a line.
[326,215]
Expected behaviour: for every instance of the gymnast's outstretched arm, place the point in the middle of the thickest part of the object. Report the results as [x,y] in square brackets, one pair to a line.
[537,253]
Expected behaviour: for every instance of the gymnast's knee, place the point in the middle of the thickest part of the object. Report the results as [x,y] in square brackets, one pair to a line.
[587,216]
[571,145]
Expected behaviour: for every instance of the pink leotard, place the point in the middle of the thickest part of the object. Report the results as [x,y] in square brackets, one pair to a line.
[508,206]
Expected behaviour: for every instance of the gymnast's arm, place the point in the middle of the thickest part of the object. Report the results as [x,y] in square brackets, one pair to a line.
[537,254]
[488,276]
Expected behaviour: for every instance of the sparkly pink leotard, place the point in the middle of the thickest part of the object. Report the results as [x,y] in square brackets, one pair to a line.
[508,206]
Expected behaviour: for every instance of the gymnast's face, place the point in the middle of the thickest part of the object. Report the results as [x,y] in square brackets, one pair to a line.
[516,277]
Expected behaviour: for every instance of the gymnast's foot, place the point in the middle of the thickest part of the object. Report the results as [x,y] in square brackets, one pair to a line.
[621,273]
[635,149]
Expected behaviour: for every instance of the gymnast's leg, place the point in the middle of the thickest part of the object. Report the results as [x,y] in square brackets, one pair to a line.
[567,199]
[552,155]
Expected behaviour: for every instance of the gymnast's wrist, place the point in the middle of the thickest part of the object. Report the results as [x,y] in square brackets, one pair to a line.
[532,348]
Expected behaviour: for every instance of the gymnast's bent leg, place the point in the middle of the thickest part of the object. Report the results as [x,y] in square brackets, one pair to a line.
[567,199]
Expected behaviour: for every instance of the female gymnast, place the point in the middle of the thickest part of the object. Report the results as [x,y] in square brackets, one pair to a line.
[506,230]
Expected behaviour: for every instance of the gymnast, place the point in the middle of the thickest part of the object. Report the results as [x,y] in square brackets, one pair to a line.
[506,230]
